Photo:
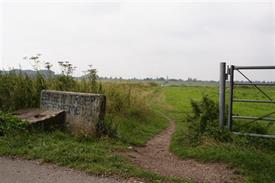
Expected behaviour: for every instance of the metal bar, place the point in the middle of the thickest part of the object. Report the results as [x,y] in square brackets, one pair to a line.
[222,94]
[254,67]
[264,116]
[254,101]
[255,135]
[253,118]
[269,98]
[231,95]
[254,83]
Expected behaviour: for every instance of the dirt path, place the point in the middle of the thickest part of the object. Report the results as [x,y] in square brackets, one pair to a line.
[155,156]
[23,171]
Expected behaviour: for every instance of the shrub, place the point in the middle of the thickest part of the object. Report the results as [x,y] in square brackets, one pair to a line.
[203,124]
[203,121]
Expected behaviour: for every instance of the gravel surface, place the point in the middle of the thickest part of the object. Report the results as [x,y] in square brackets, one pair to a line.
[23,171]
[155,156]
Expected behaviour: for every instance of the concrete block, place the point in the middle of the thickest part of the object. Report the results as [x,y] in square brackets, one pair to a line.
[84,111]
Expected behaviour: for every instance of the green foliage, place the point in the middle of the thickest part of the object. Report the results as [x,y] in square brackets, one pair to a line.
[202,121]
[108,128]
[21,91]
[129,120]
[92,156]
[127,100]
[39,85]
[252,157]
[17,91]
[10,125]
[134,122]
[96,155]
[92,78]
[135,131]
[64,83]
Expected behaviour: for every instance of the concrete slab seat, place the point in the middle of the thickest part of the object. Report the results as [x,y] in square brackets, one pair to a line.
[42,119]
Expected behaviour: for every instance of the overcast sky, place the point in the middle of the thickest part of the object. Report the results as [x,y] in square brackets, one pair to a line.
[140,39]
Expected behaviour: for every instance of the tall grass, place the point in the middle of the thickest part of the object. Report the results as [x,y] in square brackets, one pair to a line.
[125,101]
[17,90]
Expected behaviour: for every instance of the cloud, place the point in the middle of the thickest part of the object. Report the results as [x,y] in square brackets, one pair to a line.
[134,39]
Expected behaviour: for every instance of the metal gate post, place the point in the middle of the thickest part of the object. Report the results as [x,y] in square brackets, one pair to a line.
[231,90]
[222,94]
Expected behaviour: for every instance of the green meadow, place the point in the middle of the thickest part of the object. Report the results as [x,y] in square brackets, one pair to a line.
[135,113]
[253,157]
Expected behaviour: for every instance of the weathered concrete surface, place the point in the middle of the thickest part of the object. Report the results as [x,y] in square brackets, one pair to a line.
[84,111]
[44,119]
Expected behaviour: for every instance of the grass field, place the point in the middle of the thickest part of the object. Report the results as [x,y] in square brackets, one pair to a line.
[257,164]
[254,160]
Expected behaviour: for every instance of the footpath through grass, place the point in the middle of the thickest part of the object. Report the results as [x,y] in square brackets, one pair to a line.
[256,164]
[93,155]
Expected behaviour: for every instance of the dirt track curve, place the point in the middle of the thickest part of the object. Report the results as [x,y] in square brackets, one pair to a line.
[155,156]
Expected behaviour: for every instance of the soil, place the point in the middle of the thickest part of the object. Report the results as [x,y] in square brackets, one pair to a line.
[155,156]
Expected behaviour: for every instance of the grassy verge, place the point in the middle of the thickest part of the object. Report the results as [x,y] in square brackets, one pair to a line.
[135,131]
[256,164]
[96,156]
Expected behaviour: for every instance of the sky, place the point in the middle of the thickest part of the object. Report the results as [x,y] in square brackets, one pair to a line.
[128,38]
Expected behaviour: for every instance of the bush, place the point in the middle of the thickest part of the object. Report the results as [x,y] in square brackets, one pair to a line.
[203,121]
[203,124]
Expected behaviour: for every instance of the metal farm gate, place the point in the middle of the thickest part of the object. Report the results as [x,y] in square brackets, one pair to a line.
[228,74]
